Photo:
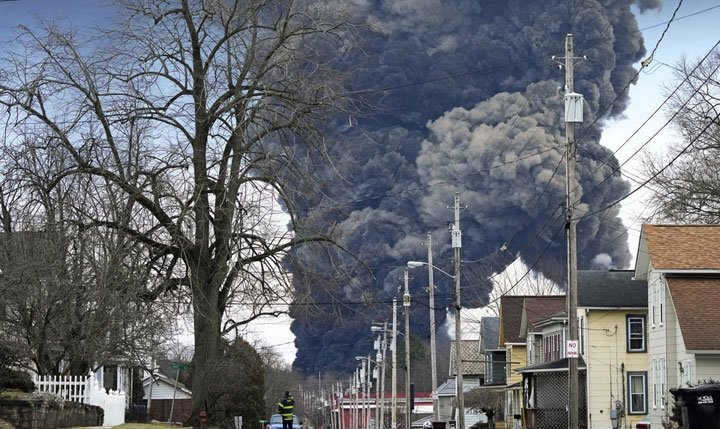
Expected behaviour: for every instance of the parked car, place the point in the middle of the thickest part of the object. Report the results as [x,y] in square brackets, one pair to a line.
[276,422]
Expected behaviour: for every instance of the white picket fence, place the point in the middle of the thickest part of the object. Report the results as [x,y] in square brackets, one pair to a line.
[86,390]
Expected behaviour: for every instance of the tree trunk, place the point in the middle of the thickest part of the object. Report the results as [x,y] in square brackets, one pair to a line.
[208,350]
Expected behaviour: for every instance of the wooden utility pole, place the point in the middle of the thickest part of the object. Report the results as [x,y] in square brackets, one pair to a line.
[406,307]
[433,353]
[457,244]
[572,116]
[393,411]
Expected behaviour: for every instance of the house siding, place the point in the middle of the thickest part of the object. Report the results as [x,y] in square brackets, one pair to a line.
[707,367]
[516,358]
[661,341]
[162,390]
[608,362]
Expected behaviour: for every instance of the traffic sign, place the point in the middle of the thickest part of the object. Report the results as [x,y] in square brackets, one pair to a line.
[182,367]
[572,348]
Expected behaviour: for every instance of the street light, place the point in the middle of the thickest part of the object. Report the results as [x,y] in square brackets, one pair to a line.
[431,290]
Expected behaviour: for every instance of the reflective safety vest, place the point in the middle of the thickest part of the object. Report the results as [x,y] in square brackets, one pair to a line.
[285,408]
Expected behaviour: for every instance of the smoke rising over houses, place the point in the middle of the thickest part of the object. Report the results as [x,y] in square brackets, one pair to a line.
[467,100]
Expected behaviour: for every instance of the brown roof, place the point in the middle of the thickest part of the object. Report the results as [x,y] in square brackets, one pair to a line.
[683,247]
[540,308]
[535,308]
[510,316]
[698,316]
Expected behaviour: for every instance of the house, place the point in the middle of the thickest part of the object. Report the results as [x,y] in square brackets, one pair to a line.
[516,314]
[493,355]
[681,264]
[167,399]
[612,309]
[473,368]
[612,316]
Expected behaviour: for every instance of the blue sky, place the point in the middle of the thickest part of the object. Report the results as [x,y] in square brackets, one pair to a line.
[691,36]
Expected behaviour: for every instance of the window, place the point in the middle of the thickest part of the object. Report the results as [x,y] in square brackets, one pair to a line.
[653,367]
[663,377]
[653,308]
[552,346]
[661,302]
[637,392]
[635,333]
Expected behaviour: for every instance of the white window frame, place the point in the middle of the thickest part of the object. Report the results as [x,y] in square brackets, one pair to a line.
[635,318]
[663,380]
[653,309]
[661,302]
[643,376]
[653,368]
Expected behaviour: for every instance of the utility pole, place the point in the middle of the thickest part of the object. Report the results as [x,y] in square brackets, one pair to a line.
[383,346]
[406,307]
[393,412]
[573,115]
[457,244]
[368,393]
[433,355]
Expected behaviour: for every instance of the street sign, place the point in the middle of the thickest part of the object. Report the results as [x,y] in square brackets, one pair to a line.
[572,348]
[182,367]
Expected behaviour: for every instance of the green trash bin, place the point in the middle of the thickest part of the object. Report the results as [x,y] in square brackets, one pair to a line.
[700,406]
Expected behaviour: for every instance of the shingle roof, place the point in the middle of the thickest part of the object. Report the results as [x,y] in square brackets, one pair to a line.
[532,308]
[603,289]
[683,247]
[472,358]
[698,316]
[539,308]
[510,316]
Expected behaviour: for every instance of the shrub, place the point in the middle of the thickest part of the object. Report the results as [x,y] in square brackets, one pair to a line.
[15,379]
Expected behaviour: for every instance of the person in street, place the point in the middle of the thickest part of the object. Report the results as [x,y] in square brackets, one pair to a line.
[285,409]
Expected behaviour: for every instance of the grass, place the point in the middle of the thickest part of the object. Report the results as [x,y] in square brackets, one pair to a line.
[141,425]
[138,426]
[13,394]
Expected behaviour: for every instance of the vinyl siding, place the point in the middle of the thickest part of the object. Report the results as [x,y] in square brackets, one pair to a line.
[608,362]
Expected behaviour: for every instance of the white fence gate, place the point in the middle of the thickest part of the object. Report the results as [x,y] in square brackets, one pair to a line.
[86,390]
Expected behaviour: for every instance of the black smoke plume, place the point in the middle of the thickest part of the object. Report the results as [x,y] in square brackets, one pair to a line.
[467,101]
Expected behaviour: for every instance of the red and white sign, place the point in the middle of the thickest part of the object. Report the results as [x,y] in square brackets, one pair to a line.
[572,348]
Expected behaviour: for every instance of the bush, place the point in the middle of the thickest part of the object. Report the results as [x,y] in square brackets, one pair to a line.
[15,379]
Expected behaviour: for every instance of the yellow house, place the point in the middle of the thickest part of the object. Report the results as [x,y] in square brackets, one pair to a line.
[517,313]
[612,313]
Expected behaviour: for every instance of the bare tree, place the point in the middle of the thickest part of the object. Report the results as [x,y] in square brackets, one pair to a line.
[70,295]
[189,117]
[685,181]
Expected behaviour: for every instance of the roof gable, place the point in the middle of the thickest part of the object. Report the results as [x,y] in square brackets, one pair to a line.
[510,316]
[698,316]
[539,308]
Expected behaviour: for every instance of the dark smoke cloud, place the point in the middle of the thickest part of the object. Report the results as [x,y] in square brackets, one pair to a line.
[474,109]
